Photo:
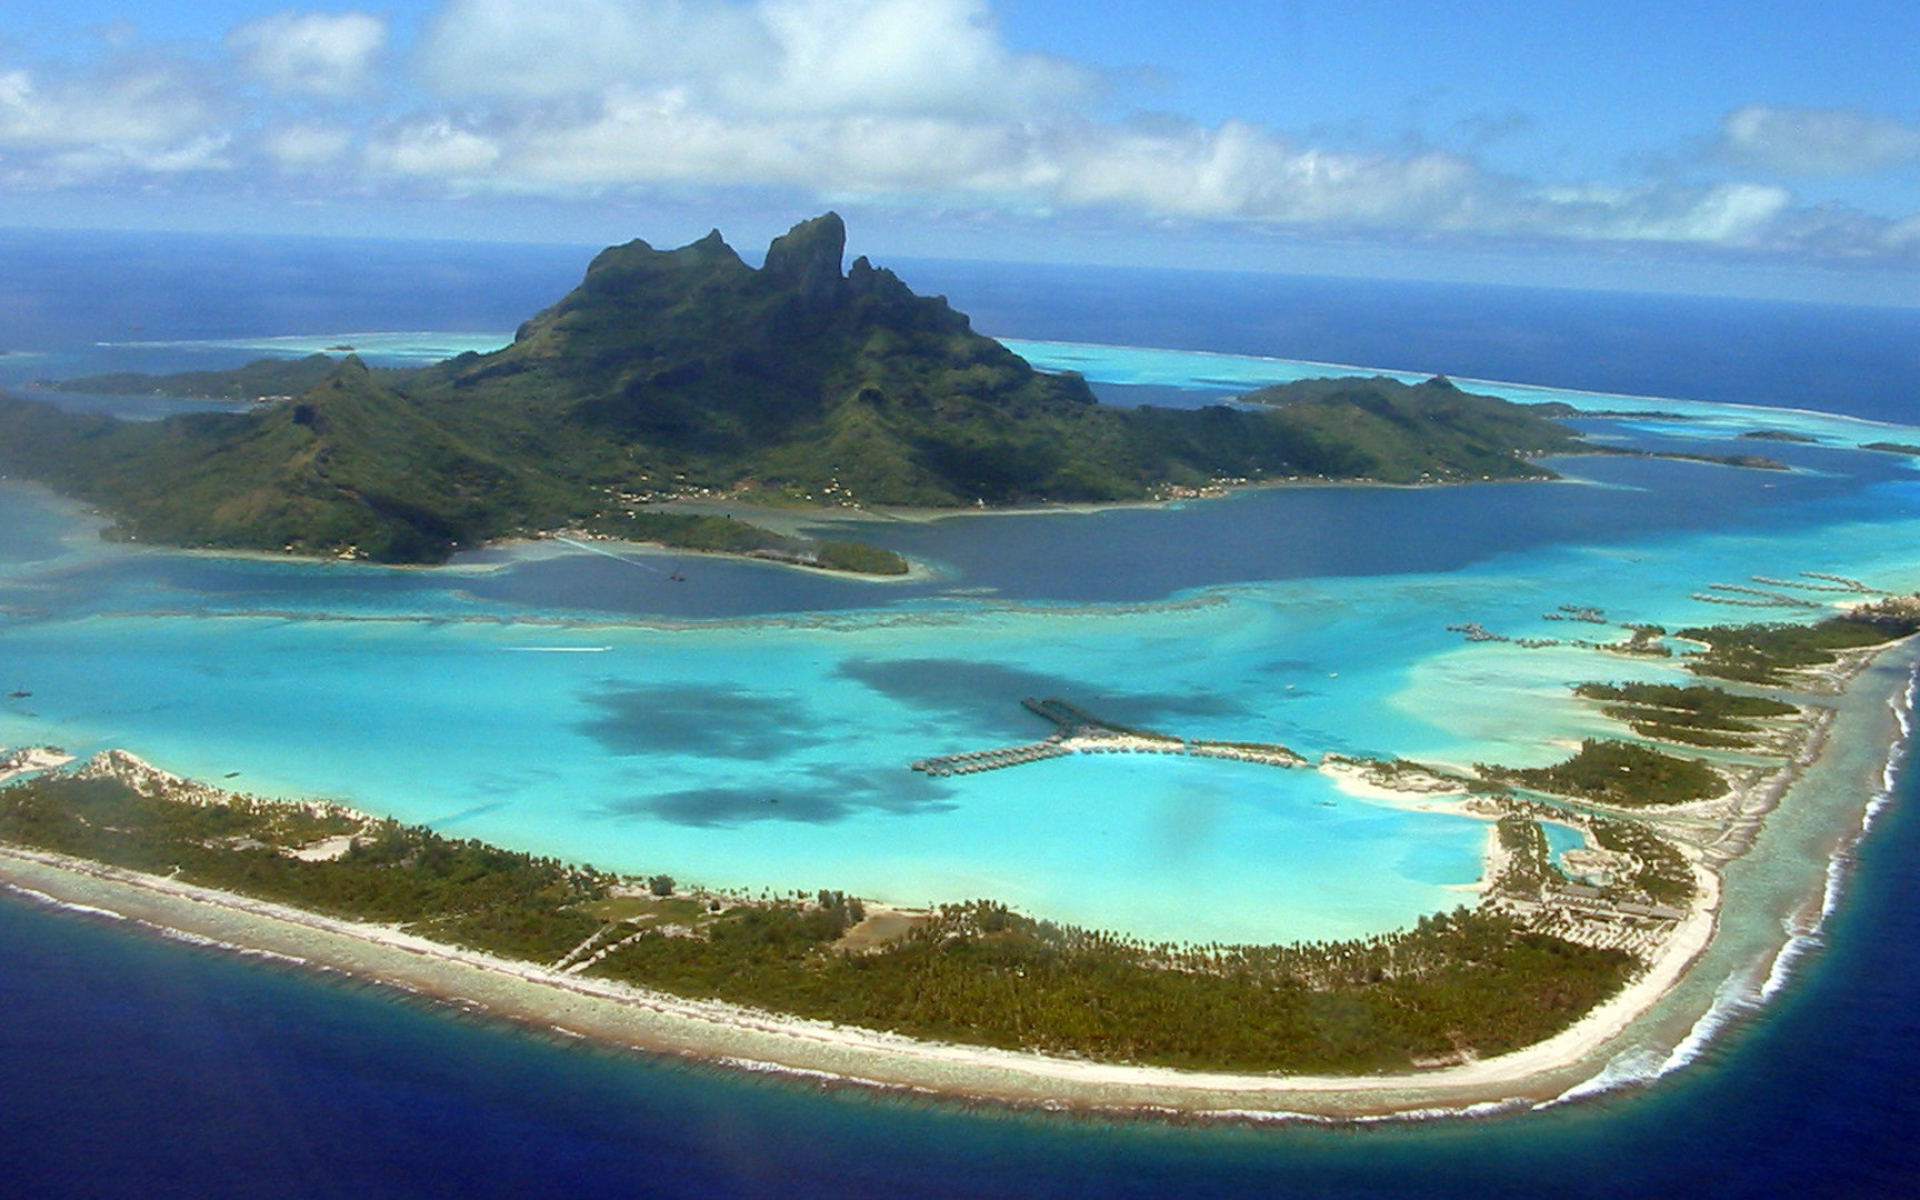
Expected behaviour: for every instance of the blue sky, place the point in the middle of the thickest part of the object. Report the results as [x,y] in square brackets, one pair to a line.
[1761,148]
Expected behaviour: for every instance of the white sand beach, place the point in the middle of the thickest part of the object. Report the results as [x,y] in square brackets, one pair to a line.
[654,1021]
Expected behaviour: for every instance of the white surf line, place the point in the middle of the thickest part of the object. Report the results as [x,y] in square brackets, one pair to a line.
[610,554]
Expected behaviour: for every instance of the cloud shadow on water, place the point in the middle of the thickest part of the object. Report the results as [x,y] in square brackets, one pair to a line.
[818,796]
[987,695]
[701,719]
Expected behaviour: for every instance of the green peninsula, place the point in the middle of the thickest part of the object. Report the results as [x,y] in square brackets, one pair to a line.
[1456,985]
[686,372]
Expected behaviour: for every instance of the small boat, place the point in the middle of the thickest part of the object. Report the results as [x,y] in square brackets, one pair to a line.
[676,577]
[19,694]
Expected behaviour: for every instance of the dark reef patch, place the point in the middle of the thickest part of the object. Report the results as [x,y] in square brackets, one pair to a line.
[696,718]
[988,694]
[820,796]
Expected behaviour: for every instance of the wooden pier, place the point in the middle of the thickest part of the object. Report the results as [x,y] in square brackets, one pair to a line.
[1071,718]
[992,760]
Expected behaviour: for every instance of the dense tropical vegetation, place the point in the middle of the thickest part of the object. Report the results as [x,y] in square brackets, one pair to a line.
[1697,716]
[1623,774]
[1770,653]
[1455,984]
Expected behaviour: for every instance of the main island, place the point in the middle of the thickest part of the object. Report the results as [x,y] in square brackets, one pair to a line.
[674,385]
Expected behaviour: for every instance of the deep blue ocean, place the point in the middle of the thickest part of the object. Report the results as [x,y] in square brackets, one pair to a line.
[131,1065]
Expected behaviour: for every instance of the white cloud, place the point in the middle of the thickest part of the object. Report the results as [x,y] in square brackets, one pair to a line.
[77,165]
[922,100]
[306,147]
[433,149]
[1236,172]
[322,54]
[1903,235]
[1240,171]
[906,57]
[154,120]
[787,57]
[655,137]
[1817,142]
[1732,214]
[134,108]
[546,49]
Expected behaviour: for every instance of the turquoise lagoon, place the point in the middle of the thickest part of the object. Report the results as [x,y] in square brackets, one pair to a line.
[753,727]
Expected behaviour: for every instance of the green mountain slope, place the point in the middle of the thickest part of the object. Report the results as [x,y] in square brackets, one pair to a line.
[348,468]
[1380,428]
[666,371]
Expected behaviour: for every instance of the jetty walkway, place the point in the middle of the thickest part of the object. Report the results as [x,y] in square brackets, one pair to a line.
[993,760]
[1079,732]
